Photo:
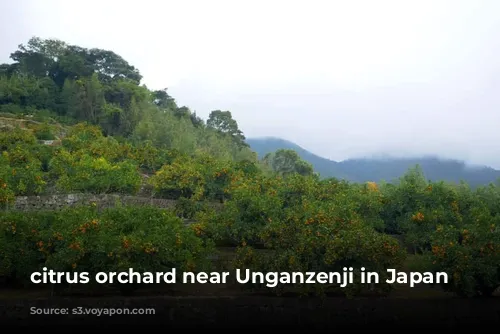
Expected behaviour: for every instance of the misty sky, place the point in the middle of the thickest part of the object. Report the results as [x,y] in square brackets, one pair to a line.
[340,78]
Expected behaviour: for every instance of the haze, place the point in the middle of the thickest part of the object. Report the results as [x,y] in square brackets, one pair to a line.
[342,79]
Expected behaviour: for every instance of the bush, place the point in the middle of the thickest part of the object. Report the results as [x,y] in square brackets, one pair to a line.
[302,231]
[470,255]
[83,239]
[95,175]
[43,132]
[20,172]
[10,137]
[80,135]
[179,179]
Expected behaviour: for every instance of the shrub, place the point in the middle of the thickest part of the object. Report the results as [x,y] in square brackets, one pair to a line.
[43,132]
[20,172]
[10,137]
[302,231]
[83,239]
[95,175]
[469,254]
[179,179]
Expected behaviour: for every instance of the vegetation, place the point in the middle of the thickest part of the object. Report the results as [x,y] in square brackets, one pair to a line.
[110,133]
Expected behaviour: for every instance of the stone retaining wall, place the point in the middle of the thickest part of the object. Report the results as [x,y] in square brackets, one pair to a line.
[57,202]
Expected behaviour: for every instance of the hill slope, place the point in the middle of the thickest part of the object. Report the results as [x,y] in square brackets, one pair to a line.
[325,167]
[362,170]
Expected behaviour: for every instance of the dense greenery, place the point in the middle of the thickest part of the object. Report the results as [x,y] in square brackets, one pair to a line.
[51,80]
[146,239]
[112,135]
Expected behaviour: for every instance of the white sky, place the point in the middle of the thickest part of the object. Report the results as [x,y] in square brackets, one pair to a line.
[340,78]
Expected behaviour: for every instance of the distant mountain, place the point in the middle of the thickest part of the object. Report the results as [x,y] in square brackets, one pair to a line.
[378,169]
[325,167]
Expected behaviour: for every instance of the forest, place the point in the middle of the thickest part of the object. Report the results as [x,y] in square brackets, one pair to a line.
[77,120]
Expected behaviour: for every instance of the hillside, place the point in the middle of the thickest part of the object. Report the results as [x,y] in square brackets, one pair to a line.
[362,170]
[100,173]
[323,166]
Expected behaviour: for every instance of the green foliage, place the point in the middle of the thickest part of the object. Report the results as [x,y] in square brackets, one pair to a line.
[469,254]
[178,180]
[97,175]
[9,137]
[20,172]
[116,134]
[83,239]
[81,135]
[304,230]
[287,162]
[43,132]
[51,79]
[223,123]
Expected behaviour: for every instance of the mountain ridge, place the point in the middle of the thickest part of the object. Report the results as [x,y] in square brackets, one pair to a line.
[381,168]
